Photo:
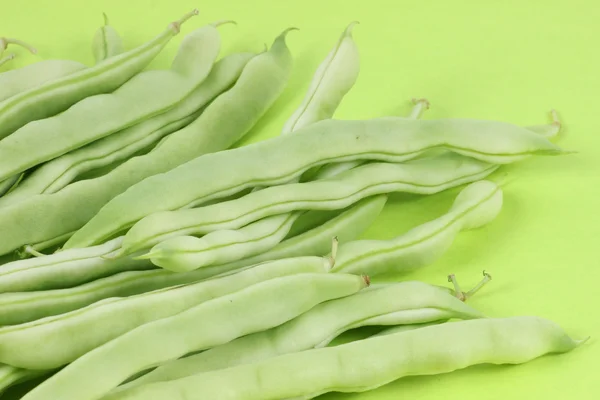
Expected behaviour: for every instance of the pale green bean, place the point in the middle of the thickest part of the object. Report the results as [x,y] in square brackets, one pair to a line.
[223,246]
[147,94]
[59,94]
[107,42]
[419,176]
[207,325]
[66,269]
[333,79]
[281,159]
[71,335]
[56,174]
[403,304]
[476,205]
[315,242]
[367,364]
[223,122]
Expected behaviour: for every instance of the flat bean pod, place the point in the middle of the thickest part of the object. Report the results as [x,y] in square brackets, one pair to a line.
[207,325]
[59,94]
[107,42]
[401,304]
[222,246]
[59,340]
[419,176]
[46,217]
[316,242]
[281,159]
[66,269]
[476,205]
[367,364]
[56,174]
[333,79]
[147,94]
[10,376]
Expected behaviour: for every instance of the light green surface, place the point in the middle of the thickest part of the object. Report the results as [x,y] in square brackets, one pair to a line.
[508,60]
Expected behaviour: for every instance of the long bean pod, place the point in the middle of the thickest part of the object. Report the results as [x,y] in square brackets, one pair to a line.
[367,364]
[223,122]
[206,325]
[59,94]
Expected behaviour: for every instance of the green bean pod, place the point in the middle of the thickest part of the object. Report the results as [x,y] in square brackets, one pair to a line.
[56,174]
[27,306]
[106,43]
[10,376]
[147,94]
[207,325]
[405,328]
[118,316]
[66,269]
[46,217]
[476,205]
[57,95]
[333,79]
[163,230]
[278,160]
[188,253]
[370,363]
[403,304]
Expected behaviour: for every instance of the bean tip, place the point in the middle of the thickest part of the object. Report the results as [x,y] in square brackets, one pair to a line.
[366,279]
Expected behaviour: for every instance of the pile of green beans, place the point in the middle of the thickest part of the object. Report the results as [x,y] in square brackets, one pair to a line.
[144,258]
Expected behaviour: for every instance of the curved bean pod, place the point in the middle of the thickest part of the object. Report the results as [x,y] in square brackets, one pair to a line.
[107,42]
[280,159]
[476,205]
[147,94]
[405,328]
[367,364]
[315,242]
[71,335]
[219,247]
[333,79]
[66,269]
[56,174]
[33,75]
[46,217]
[10,376]
[206,325]
[420,176]
[56,96]
[401,304]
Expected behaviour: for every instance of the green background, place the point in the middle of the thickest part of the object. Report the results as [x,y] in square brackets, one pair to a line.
[506,60]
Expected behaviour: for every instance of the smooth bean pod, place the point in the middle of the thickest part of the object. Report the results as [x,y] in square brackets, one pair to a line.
[56,174]
[333,79]
[10,376]
[281,159]
[67,337]
[207,325]
[223,122]
[57,95]
[401,304]
[222,246]
[370,363]
[107,42]
[405,328]
[66,269]
[315,242]
[476,205]
[162,230]
[147,94]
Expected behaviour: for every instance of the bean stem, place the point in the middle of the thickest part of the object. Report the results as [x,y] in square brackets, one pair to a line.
[6,59]
[464,296]
[176,26]
[4,42]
